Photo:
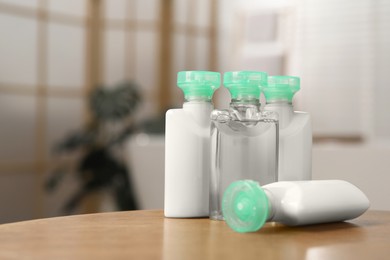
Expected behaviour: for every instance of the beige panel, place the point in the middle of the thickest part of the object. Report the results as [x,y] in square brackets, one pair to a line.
[147,10]
[180,11]
[24,3]
[179,57]
[66,56]
[114,57]
[203,13]
[202,53]
[18,196]
[147,109]
[192,13]
[115,9]
[70,7]
[261,26]
[130,52]
[17,128]
[64,116]
[18,47]
[147,60]
[179,64]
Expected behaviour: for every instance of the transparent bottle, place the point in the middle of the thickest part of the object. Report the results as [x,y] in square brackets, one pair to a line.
[247,206]
[244,140]
[295,134]
[187,147]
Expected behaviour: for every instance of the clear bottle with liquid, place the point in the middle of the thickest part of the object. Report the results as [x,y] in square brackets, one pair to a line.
[244,140]
[247,206]
[295,134]
[187,147]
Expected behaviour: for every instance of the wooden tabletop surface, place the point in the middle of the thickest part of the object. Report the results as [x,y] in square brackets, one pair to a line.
[148,235]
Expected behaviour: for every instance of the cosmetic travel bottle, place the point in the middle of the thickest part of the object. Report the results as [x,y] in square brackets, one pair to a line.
[243,138]
[247,206]
[295,134]
[187,147]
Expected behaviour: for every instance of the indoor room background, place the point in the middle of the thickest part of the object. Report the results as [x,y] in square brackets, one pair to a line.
[55,53]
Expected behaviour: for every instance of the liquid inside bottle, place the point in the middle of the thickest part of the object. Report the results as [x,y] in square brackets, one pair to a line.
[244,140]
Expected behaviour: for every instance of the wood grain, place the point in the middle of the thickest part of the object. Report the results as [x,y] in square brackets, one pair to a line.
[148,235]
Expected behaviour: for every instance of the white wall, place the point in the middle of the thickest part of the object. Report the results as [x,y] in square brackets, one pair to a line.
[145,155]
[367,167]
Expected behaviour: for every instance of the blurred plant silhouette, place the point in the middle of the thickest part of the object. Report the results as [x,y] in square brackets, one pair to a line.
[100,164]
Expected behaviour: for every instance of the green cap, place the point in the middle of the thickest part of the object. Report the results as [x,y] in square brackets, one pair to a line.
[245,84]
[245,206]
[281,88]
[197,84]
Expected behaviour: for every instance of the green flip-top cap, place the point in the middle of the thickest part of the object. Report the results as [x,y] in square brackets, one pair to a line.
[245,84]
[281,88]
[198,84]
[245,206]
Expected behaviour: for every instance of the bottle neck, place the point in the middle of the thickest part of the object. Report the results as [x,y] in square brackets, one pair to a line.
[280,104]
[284,109]
[197,99]
[249,103]
[199,110]
[245,109]
[197,104]
[279,101]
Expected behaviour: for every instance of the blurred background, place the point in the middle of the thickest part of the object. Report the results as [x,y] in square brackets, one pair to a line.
[57,57]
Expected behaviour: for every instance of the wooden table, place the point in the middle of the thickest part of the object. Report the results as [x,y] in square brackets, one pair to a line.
[147,234]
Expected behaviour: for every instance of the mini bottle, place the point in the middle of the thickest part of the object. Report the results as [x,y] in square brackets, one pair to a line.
[243,139]
[187,147]
[247,206]
[295,136]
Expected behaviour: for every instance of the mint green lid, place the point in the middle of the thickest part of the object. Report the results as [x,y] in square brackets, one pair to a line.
[245,84]
[281,88]
[198,83]
[245,206]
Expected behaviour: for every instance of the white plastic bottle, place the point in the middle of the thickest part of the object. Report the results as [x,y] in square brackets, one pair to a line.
[247,206]
[295,134]
[187,147]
